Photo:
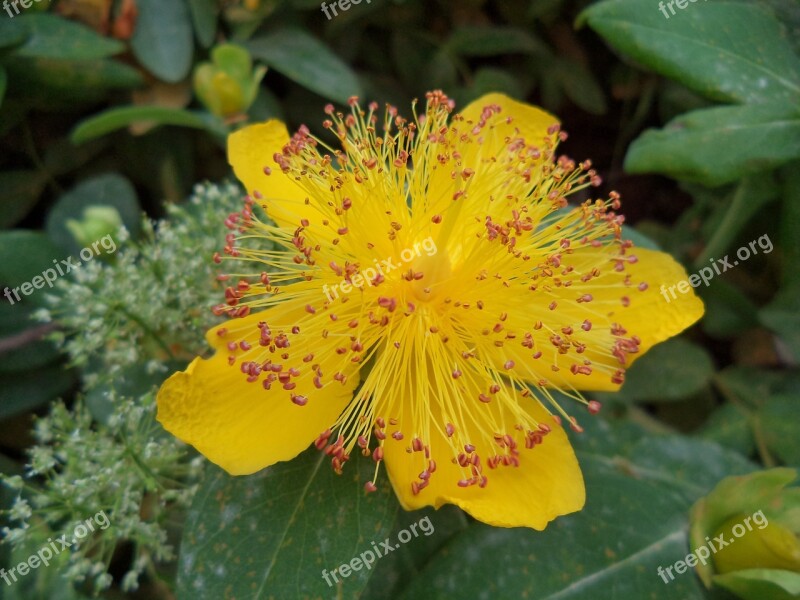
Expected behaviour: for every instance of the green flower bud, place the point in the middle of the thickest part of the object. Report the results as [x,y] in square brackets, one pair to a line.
[97,222]
[228,85]
[751,524]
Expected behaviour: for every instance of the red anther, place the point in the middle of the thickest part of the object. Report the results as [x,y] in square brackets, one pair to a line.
[299,400]
[456,373]
[308,357]
[449,429]
[380,422]
[494,388]
[370,487]
[625,301]
[594,407]
[462,459]
[509,364]
[353,324]
[424,475]
[431,466]
[416,444]
[414,488]
[469,448]
[222,331]
[329,109]
[436,219]
[290,385]
[379,434]
[586,325]
[296,329]
[484,398]
[347,203]
[557,419]
[217,258]
[585,298]
[377,454]
[464,483]
[397,435]
[544,428]
[362,441]
[341,230]
[574,425]
[537,354]
[310,309]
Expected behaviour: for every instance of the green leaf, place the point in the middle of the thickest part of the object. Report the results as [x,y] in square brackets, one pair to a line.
[780,427]
[670,371]
[728,311]
[493,41]
[639,490]
[50,84]
[117,118]
[308,62]
[729,426]
[22,346]
[11,34]
[23,391]
[761,584]
[579,85]
[19,191]
[752,193]
[51,36]
[162,40]
[755,138]
[105,190]
[270,535]
[204,17]
[24,255]
[728,51]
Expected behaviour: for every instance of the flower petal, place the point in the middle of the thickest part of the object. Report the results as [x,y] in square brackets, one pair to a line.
[237,424]
[527,121]
[250,150]
[547,483]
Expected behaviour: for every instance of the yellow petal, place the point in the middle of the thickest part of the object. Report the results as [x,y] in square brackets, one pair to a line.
[488,152]
[547,483]
[528,122]
[238,425]
[252,148]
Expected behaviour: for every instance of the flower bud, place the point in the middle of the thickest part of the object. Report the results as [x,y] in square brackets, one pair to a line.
[228,85]
[97,222]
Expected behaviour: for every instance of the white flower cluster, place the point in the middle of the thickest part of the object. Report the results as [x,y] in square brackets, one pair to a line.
[126,325]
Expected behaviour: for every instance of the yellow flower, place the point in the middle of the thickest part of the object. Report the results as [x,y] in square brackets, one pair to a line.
[430,291]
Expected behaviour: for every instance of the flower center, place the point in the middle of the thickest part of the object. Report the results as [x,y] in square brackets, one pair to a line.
[431,277]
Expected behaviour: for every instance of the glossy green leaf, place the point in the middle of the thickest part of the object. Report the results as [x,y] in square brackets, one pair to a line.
[51,84]
[728,51]
[24,255]
[11,34]
[780,428]
[754,138]
[761,584]
[639,490]
[23,391]
[272,534]
[669,371]
[308,62]
[751,194]
[118,118]
[204,17]
[730,426]
[51,36]
[729,312]
[162,40]
[493,41]
[111,190]
[19,191]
